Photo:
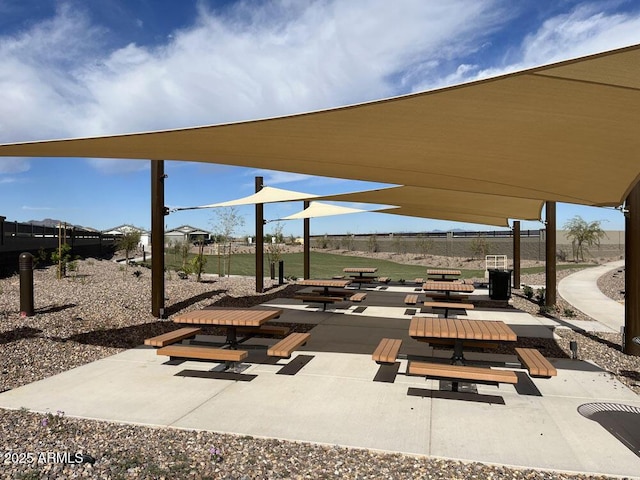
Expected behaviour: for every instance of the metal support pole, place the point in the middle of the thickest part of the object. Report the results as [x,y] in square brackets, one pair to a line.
[632,273]
[157,238]
[516,254]
[25,266]
[550,253]
[281,272]
[259,240]
[306,238]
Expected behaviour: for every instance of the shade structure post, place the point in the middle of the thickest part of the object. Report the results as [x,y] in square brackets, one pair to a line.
[259,239]
[632,273]
[550,255]
[306,245]
[516,254]
[158,212]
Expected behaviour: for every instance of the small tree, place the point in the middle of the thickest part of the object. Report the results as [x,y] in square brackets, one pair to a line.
[480,247]
[372,243]
[228,220]
[583,235]
[128,242]
[61,256]
[183,250]
[275,248]
[198,262]
[399,245]
[424,245]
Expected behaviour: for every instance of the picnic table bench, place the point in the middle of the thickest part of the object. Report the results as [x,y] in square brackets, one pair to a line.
[387,351]
[358,297]
[411,299]
[285,347]
[192,352]
[535,363]
[172,337]
[457,373]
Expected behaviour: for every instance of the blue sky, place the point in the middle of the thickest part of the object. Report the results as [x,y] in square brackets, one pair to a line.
[78,68]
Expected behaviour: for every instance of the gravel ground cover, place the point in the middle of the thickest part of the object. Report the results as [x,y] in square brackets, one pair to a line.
[103,309]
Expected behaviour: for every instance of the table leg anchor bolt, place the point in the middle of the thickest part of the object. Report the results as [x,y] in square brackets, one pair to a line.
[464,387]
[232,367]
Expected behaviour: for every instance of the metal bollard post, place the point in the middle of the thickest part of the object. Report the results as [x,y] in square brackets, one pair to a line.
[25,267]
[281,272]
[573,346]
[272,267]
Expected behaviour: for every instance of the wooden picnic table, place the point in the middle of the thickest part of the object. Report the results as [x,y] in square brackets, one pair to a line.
[446,306]
[326,295]
[461,332]
[228,317]
[447,288]
[359,274]
[325,284]
[442,274]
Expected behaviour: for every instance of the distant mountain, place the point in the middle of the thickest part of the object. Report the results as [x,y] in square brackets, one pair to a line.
[52,222]
[47,222]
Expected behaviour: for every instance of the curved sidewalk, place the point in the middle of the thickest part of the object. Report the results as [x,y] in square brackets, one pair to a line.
[581,290]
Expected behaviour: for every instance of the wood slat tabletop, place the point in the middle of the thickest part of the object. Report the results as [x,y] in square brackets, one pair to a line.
[436,271]
[232,317]
[360,270]
[447,287]
[324,283]
[461,329]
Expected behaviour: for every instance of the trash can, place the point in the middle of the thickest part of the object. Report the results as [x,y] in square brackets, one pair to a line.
[499,284]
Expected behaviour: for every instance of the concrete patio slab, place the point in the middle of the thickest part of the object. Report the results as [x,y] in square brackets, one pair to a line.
[334,400]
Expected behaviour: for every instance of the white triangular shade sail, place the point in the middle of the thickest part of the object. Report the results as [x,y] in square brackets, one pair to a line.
[565,132]
[265,195]
[321,209]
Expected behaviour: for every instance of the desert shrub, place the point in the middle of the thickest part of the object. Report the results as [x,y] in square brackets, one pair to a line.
[480,247]
[528,292]
[348,242]
[323,242]
[540,294]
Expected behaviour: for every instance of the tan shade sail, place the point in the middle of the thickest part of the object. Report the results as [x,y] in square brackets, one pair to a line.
[451,216]
[423,202]
[565,132]
[321,209]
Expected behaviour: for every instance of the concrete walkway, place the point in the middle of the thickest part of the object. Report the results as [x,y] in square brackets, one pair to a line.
[339,396]
[581,290]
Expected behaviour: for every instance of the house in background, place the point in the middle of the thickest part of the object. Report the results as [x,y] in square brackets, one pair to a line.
[145,235]
[186,233]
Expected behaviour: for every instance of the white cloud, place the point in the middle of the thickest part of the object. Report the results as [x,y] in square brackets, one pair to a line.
[27,207]
[112,166]
[266,59]
[14,165]
[586,30]
[272,177]
[260,60]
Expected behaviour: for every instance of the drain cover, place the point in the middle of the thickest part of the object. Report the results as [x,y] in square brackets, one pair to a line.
[622,421]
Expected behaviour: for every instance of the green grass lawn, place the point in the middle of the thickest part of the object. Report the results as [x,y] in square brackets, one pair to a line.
[325,265]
